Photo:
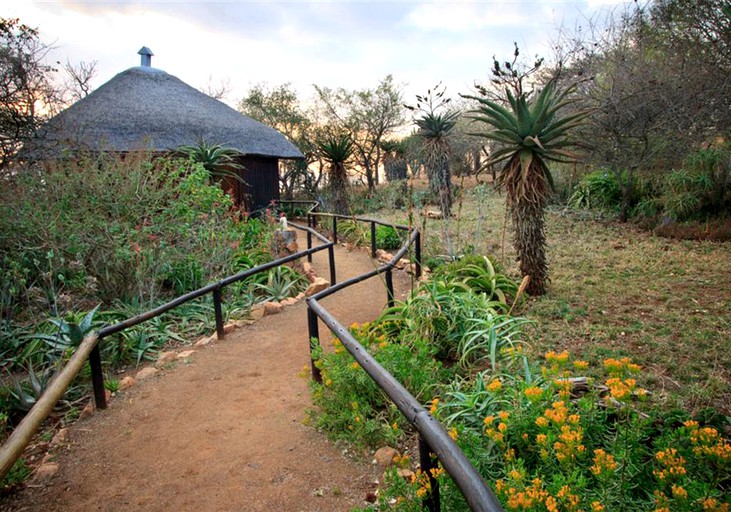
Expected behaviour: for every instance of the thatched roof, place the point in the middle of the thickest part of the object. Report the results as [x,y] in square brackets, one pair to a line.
[146,108]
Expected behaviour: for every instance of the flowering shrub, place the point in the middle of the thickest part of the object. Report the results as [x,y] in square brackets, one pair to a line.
[351,406]
[545,445]
[544,436]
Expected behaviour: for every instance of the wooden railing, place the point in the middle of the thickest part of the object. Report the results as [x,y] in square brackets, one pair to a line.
[433,438]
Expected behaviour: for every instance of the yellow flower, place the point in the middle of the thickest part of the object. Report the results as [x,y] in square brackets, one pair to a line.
[679,493]
[433,408]
[596,506]
[534,393]
[453,433]
[489,419]
[541,422]
[581,365]
[494,386]
[504,415]
[604,463]
[354,365]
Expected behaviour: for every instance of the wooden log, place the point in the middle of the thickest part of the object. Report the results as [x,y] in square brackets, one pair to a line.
[24,432]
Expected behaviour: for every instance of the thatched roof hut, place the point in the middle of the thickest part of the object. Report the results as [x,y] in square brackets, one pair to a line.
[147,108]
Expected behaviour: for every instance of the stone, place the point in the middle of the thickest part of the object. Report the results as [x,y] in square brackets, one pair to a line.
[126,383]
[45,472]
[284,242]
[309,271]
[317,286]
[383,256]
[230,327]
[272,308]
[256,312]
[87,411]
[384,456]
[145,373]
[205,340]
[406,474]
[434,214]
[300,296]
[165,357]
[60,437]
[186,354]
[289,301]
[402,263]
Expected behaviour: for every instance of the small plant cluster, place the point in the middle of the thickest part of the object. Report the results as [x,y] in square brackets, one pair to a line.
[359,234]
[546,440]
[696,191]
[418,341]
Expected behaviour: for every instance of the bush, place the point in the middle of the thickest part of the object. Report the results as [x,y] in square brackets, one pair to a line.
[111,229]
[388,238]
[545,442]
[598,189]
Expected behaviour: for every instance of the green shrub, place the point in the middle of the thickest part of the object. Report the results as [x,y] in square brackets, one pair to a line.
[349,404]
[388,238]
[543,443]
[598,189]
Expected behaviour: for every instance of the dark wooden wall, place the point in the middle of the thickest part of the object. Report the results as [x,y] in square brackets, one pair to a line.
[261,187]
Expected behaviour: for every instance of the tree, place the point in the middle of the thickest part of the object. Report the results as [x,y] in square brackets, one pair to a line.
[368,116]
[26,90]
[336,150]
[280,108]
[530,134]
[394,159]
[78,80]
[435,122]
[657,78]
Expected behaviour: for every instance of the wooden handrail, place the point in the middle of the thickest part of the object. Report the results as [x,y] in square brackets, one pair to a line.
[24,432]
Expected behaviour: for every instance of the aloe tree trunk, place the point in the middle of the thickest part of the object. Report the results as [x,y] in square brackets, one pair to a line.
[339,188]
[526,201]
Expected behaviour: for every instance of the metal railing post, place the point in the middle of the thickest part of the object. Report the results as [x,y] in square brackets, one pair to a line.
[335,230]
[331,258]
[389,287]
[373,239]
[417,254]
[220,334]
[97,378]
[431,502]
[313,330]
[309,246]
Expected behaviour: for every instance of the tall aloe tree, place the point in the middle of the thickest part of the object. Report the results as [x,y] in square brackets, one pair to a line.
[336,150]
[394,159]
[530,133]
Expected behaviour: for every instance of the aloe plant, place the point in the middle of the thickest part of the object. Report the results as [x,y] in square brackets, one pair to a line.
[218,160]
[336,150]
[530,133]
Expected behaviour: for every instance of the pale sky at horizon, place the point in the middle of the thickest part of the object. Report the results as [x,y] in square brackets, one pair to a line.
[347,44]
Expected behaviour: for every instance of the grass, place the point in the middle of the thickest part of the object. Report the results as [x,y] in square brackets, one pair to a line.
[615,291]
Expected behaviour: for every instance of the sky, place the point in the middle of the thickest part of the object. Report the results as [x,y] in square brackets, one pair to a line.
[350,44]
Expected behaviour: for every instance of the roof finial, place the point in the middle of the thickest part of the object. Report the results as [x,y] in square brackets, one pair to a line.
[146,57]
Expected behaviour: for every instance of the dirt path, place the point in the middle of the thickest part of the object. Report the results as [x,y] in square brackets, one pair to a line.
[221,431]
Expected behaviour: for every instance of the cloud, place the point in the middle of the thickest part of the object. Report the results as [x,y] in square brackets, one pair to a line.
[460,17]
